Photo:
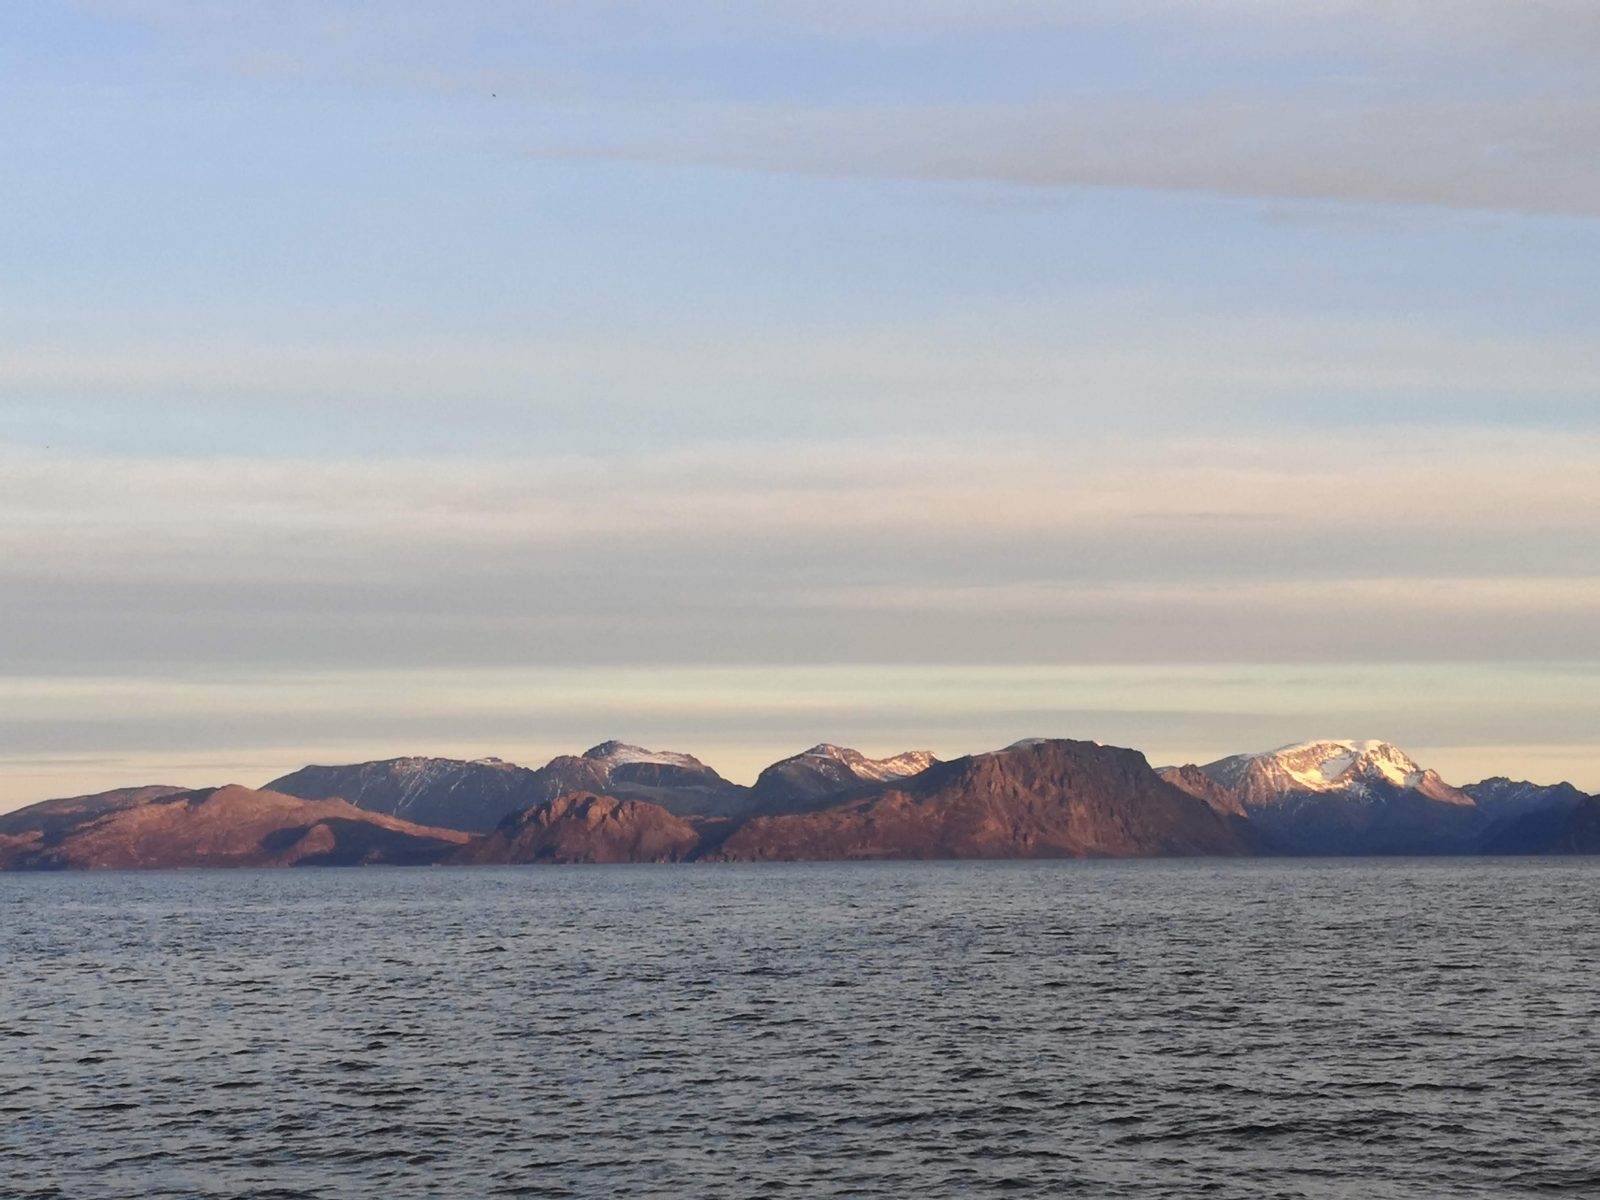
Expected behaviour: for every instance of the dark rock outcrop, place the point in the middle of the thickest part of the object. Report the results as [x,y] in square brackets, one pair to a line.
[1038,799]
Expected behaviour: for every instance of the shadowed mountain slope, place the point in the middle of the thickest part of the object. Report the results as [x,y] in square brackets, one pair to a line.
[447,793]
[1521,817]
[1582,832]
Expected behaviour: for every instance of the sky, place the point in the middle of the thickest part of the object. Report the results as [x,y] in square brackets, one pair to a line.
[505,376]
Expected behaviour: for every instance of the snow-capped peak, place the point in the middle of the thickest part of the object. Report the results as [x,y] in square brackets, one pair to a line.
[1318,766]
[899,766]
[614,754]
[1322,766]
[829,750]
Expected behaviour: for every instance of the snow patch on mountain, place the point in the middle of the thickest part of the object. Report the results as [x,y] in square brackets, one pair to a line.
[875,770]
[1351,768]
[1328,766]
[616,754]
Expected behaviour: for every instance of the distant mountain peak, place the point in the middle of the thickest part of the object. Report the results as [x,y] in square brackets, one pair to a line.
[828,750]
[1337,796]
[828,770]
[907,762]
[610,749]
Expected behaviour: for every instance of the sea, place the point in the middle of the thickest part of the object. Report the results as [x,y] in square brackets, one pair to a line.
[1144,1029]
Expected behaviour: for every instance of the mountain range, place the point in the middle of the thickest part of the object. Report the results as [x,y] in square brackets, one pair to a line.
[1039,798]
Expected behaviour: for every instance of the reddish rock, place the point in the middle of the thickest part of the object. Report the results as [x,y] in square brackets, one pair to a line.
[581,827]
[1200,785]
[213,827]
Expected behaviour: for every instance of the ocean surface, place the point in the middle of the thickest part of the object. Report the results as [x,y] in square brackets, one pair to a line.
[1147,1029]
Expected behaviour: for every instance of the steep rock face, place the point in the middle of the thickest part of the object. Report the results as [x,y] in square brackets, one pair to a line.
[679,783]
[446,793]
[585,828]
[816,775]
[1520,817]
[219,827]
[1040,799]
[1341,797]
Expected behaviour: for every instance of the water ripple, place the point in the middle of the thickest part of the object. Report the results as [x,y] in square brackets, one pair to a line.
[1254,1029]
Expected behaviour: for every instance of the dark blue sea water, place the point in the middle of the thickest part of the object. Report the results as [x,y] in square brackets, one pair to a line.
[1154,1029]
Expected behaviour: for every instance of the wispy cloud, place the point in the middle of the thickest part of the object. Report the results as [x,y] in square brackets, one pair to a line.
[1091,352]
[1520,154]
[1464,103]
[112,514]
[1127,549]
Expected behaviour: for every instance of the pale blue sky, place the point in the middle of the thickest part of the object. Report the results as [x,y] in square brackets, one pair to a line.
[491,342]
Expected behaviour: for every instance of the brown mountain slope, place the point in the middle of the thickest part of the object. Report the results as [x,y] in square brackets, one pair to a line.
[50,815]
[1037,799]
[214,827]
[585,828]
[1199,785]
